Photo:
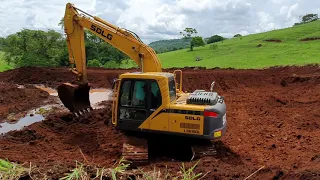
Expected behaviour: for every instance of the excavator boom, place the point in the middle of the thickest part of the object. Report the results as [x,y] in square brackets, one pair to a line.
[76,96]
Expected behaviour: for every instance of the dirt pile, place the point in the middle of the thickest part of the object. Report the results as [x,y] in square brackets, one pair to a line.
[61,139]
[273,121]
[14,98]
[53,77]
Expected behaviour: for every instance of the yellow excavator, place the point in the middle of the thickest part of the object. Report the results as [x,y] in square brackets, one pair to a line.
[147,102]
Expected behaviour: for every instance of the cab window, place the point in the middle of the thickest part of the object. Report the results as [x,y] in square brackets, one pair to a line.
[172,90]
[133,100]
[156,98]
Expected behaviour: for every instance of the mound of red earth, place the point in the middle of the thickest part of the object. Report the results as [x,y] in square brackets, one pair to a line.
[273,122]
[14,99]
[61,140]
[53,77]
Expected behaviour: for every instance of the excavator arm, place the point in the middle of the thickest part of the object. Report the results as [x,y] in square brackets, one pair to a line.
[122,39]
[76,96]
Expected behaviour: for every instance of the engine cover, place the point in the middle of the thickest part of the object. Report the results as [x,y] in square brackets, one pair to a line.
[201,97]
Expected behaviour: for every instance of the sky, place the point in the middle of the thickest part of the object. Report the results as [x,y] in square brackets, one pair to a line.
[162,19]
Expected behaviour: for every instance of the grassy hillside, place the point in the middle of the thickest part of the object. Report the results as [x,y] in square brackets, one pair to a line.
[246,52]
[169,45]
[3,65]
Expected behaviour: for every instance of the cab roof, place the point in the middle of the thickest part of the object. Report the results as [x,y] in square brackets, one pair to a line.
[147,74]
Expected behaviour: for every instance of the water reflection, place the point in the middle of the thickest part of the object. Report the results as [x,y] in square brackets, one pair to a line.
[26,121]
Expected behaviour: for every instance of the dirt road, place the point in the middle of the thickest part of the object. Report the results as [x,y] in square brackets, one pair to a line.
[273,121]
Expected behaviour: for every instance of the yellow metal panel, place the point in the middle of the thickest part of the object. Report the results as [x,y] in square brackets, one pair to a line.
[147,75]
[164,89]
[189,107]
[160,122]
[191,125]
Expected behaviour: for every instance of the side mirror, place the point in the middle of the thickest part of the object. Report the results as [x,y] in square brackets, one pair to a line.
[212,85]
[114,82]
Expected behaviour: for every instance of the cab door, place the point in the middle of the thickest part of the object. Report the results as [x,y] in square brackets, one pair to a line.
[159,118]
[133,106]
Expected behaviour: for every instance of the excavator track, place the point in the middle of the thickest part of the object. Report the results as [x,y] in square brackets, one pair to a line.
[135,150]
[203,150]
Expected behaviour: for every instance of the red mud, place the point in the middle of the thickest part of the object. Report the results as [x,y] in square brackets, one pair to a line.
[273,121]
[53,77]
[15,100]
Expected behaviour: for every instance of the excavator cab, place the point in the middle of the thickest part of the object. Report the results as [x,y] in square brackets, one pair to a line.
[75,97]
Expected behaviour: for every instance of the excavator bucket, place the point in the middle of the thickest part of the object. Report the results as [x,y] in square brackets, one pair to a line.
[75,97]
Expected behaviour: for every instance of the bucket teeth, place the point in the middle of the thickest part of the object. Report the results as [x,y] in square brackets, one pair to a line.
[81,112]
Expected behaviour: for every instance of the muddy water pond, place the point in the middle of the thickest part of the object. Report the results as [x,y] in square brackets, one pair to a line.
[36,115]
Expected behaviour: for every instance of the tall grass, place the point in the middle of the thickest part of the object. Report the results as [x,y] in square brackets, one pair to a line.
[13,171]
[189,174]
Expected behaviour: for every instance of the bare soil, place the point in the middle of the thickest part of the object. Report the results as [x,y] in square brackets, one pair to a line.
[273,121]
[14,98]
[310,39]
[274,40]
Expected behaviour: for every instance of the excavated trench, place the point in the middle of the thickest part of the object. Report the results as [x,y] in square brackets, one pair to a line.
[273,121]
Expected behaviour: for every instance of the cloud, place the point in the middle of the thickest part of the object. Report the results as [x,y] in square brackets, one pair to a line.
[266,21]
[162,19]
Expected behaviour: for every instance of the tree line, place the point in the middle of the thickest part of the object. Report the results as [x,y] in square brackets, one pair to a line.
[49,49]
[196,41]
[307,18]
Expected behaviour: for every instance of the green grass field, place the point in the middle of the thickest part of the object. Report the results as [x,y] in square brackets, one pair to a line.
[3,65]
[243,53]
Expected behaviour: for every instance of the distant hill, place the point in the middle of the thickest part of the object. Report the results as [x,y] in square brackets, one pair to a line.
[298,45]
[169,45]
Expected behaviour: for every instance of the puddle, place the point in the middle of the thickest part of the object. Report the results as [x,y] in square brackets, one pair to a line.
[26,121]
[95,95]
[15,122]
[99,95]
